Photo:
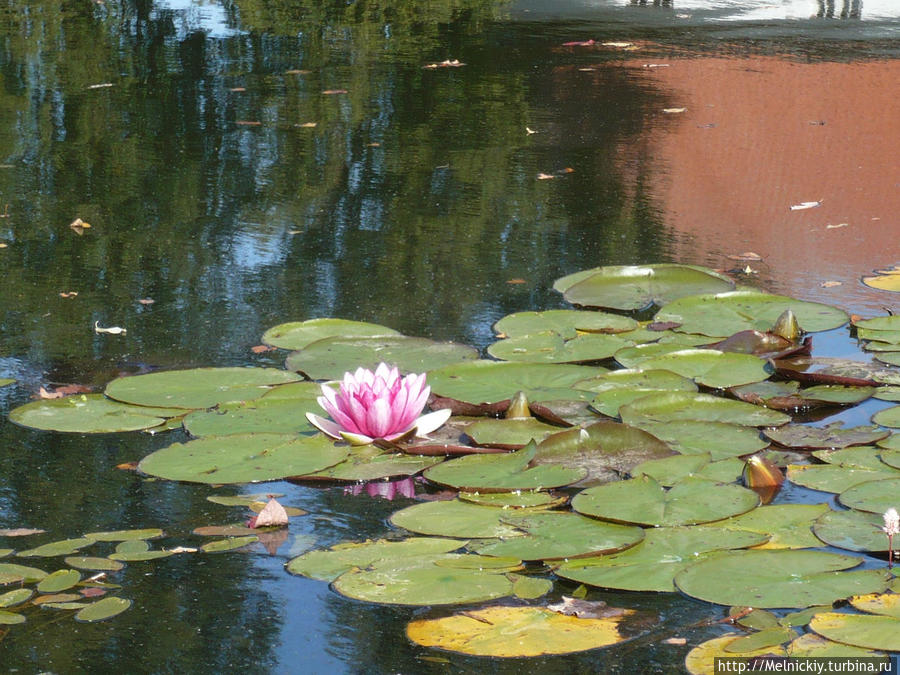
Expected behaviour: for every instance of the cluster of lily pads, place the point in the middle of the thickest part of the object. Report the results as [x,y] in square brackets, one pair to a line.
[592,447]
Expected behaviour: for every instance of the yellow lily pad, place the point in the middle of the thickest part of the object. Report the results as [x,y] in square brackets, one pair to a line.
[516,632]
[701,659]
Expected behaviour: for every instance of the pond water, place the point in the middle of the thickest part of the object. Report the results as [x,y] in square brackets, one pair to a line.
[247,163]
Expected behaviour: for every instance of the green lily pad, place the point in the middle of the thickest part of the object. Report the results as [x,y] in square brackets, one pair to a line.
[555,535]
[711,367]
[197,387]
[832,436]
[802,617]
[837,394]
[778,578]
[886,604]
[64,547]
[785,525]
[12,573]
[6,381]
[763,639]
[139,556]
[330,358]
[879,323]
[126,535]
[605,450]
[503,472]
[509,433]
[10,618]
[60,580]
[719,440]
[859,457]
[653,563]
[644,501]
[551,347]
[423,581]
[455,518]
[299,334]
[492,381]
[725,314]
[87,414]
[876,496]
[243,458]
[830,478]
[619,387]
[529,588]
[16,597]
[810,644]
[65,605]
[851,530]
[638,286]
[860,630]
[891,358]
[91,563]
[514,500]
[891,458]
[670,470]
[281,416]
[681,405]
[889,417]
[366,462]
[105,608]
[229,544]
[635,357]
[328,565]
[567,322]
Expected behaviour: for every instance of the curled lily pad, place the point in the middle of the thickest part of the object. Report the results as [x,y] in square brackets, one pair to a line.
[719,440]
[638,286]
[832,436]
[677,406]
[299,334]
[778,578]
[551,347]
[243,458]
[567,322]
[87,414]
[330,358]
[501,473]
[492,381]
[455,518]
[711,367]
[197,387]
[516,632]
[653,563]
[876,496]
[860,630]
[725,314]
[851,530]
[644,501]
[554,535]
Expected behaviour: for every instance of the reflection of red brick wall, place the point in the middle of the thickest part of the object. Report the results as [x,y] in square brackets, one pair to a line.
[761,134]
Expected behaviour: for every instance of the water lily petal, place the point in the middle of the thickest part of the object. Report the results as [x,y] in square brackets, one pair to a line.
[428,423]
[356,439]
[326,426]
[378,419]
[334,409]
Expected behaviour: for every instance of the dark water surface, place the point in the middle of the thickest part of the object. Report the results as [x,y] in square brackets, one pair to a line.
[247,163]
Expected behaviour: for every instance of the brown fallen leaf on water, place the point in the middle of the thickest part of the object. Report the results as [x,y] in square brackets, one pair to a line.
[102,85]
[127,466]
[746,256]
[146,301]
[515,281]
[675,641]
[831,284]
[44,394]
[307,125]
[545,176]
[79,226]
[248,123]
[297,72]
[68,294]
[238,89]
[330,92]
[835,227]
[20,532]
[582,43]
[261,349]
[272,515]
[450,63]
[805,205]
[92,592]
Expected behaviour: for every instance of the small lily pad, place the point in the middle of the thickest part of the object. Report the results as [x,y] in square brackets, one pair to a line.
[12,573]
[87,414]
[6,381]
[701,659]
[16,597]
[851,530]
[102,609]
[455,518]
[64,547]
[10,618]
[299,334]
[876,496]
[95,564]
[860,630]
[859,457]
[567,322]
[229,544]
[60,580]
[763,639]
[126,535]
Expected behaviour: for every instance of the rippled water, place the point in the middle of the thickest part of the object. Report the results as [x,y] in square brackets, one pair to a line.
[247,163]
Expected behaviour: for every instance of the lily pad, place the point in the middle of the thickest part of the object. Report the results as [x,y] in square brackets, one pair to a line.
[634,357]
[763,639]
[832,478]
[859,457]
[701,660]
[64,547]
[876,496]
[644,501]
[492,381]
[12,573]
[886,604]
[6,381]
[860,630]
[328,565]
[455,518]
[16,597]
[243,458]
[425,581]
[299,334]
[653,563]
[139,556]
[681,405]
[810,644]
[826,370]
[61,580]
[670,470]
[330,358]
[514,500]
[832,436]
[618,387]
[87,414]
[516,632]
[778,578]
[509,433]
[605,450]
[229,544]
[102,609]
[366,462]
[197,387]
[502,473]
[92,563]
[529,588]
[852,530]
[10,618]
[725,314]
[879,323]
[889,417]
[891,458]
[637,286]
[551,347]
[126,535]
[711,367]
[785,525]
[719,440]
[567,322]
[275,415]
[555,535]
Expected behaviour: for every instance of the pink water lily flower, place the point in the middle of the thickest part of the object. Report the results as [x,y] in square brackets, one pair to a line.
[377,405]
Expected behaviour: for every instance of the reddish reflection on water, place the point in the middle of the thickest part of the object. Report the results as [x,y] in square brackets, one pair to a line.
[762,134]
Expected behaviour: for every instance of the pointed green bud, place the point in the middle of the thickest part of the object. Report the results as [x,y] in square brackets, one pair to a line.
[518,407]
[787,326]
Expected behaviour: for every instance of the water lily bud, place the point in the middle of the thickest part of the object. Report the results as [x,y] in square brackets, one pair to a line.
[787,326]
[518,407]
[760,472]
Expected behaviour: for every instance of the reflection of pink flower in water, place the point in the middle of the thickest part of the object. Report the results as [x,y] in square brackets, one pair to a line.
[386,489]
[377,405]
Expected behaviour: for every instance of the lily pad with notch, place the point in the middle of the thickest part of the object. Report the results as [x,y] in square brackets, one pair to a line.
[89,414]
[711,367]
[619,387]
[851,530]
[720,440]
[875,496]
[831,478]
[567,322]
[551,347]
[680,405]
[455,518]
[299,334]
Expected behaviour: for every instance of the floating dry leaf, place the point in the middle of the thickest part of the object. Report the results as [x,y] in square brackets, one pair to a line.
[127,466]
[272,515]
[805,205]
[238,89]
[68,294]
[529,131]
[112,330]
[831,284]
[672,111]
[146,301]
[79,226]
[675,641]
[20,532]
[450,63]
[746,256]
[248,123]
[545,176]
[307,125]
[515,281]
[620,45]
[656,65]
[834,227]
[330,92]
[262,349]
[102,85]
[297,72]
[43,393]
[3,245]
